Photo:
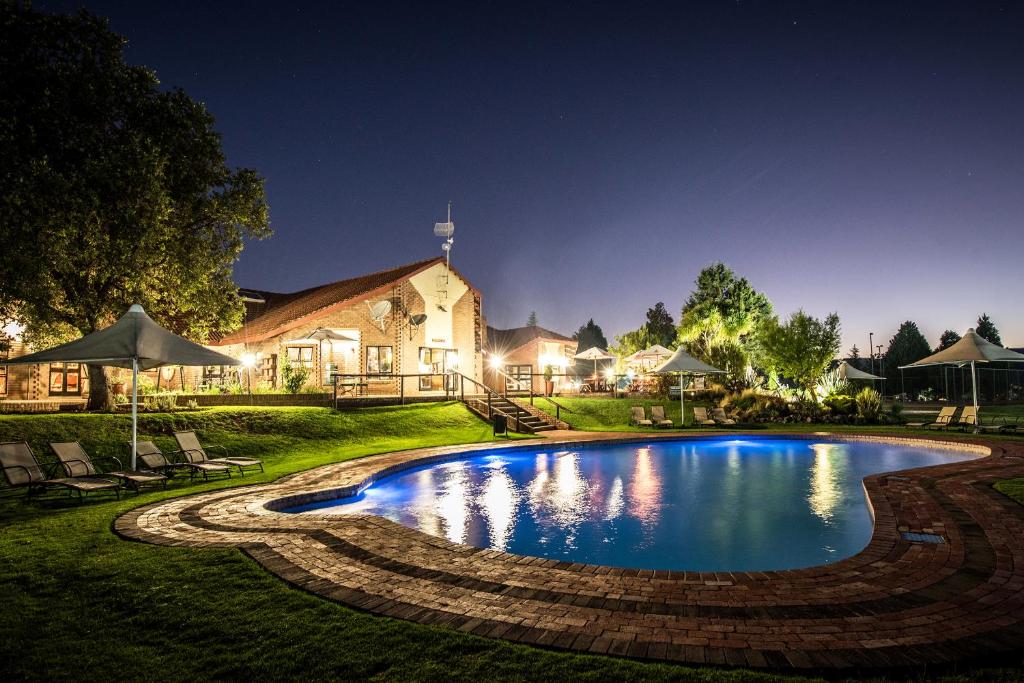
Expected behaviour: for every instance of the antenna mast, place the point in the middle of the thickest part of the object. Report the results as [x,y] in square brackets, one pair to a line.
[446,230]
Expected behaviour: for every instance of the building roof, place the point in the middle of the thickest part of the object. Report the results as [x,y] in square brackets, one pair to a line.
[280,312]
[512,339]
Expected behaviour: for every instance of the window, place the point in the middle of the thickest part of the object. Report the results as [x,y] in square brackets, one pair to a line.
[432,362]
[301,356]
[3,373]
[65,379]
[379,360]
[518,377]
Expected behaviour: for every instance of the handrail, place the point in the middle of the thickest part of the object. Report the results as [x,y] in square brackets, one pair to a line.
[490,393]
[519,383]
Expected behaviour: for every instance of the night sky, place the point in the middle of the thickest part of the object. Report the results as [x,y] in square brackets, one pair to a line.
[867,160]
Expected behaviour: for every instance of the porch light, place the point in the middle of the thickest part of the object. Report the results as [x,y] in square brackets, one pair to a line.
[496,361]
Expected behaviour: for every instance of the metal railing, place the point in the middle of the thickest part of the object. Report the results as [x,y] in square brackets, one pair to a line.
[490,396]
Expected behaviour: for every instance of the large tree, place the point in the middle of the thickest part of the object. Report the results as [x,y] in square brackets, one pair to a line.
[986,329]
[906,346]
[531,320]
[799,349]
[719,317]
[590,335]
[661,328]
[112,191]
[948,338]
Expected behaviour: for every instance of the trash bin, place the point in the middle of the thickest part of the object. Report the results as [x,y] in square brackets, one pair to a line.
[500,424]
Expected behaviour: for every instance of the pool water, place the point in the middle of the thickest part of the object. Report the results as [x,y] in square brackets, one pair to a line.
[703,505]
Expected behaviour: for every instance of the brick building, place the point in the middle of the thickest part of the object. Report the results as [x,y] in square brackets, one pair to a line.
[517,358]
[417,318]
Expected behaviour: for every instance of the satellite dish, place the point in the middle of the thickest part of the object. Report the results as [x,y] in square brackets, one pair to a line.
[379,313]
[415,321]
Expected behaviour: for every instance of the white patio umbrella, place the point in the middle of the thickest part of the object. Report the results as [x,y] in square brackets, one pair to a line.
[685,364]
[595,354]
[970,350]
[135,342]
[654,355]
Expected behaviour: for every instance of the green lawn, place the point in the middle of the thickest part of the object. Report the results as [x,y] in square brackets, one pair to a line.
[79,603]
[1014,488]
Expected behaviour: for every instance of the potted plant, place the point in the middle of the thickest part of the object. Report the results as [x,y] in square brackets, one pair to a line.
[549,383]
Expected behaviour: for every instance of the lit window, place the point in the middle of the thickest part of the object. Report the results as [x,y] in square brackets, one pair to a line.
[379,360]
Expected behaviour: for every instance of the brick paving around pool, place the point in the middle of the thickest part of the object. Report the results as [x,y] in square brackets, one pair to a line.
[897,603]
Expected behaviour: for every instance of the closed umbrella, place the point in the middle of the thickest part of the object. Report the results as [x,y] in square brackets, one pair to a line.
[135,342]
[970,350]
[685,364]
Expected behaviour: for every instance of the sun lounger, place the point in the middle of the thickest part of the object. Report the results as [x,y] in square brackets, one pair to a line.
[940,422]
[196,453]
[22,469]
[154,459]
[658,417]
[720,418]
[968,419]
[1004,425]
[638,418]
[77,463]
[700,417]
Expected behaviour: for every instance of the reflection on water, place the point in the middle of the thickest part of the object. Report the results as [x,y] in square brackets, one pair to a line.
[714,505]
[826,493]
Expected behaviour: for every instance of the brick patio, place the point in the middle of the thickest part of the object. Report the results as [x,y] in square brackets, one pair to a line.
[897,603]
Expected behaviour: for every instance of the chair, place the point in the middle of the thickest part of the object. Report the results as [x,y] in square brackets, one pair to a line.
[943,419]
[720,418]
[154,459]
[196,453]
[658,417]
[700,417]
[1004,425]
[22,469]
[77,463]
[968,419]
[638,418]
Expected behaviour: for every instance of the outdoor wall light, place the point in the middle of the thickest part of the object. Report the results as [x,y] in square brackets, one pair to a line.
[248,360]
[496,361]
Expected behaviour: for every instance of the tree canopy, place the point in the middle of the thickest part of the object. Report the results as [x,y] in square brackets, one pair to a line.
[799,349]
[906,346]
[590,335]
[948,338]
[720,314]
[986,329]
[661,328]
[531,320]
[112,191]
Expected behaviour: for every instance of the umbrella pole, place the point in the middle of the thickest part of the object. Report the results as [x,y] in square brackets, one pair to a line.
[135,408]
[682,402]
[974,386]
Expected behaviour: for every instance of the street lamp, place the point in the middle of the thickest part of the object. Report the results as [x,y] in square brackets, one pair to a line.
[871,353]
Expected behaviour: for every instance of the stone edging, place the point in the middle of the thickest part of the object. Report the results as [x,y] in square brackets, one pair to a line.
[894,604]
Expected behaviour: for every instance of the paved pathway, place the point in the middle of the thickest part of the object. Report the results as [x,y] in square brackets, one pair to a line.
[897,603]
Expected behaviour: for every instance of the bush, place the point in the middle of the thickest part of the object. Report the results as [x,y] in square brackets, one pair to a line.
[293,378]
[192,404]
[841,404]
[869,404]
[162,403]
[751,406]
[896,411]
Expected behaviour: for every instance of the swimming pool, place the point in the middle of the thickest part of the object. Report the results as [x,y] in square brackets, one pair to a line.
[717,504]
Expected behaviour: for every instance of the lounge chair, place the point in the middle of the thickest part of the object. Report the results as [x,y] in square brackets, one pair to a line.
[658,417]
[77,463]
[720,418]
[154,459]
[22,469]
[196,453]
[638,418]
[1004,425]
[700,417]
[943,419]
[968,419]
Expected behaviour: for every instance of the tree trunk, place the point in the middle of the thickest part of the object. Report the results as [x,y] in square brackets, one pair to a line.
[100,396]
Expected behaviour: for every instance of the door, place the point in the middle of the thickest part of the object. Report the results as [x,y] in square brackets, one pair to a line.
[518,377]
[433,361]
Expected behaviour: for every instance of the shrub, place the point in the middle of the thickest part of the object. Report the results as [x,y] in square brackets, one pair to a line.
[751,406]
[841,404]
[869,404]
[292,377]
[896,410]
[831,384]
[162,403]
[192,404]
